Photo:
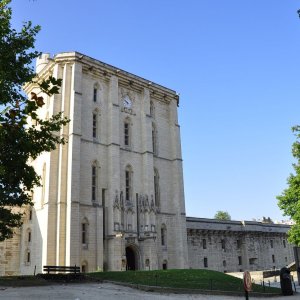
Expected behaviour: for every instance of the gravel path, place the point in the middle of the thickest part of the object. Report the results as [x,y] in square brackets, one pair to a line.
[107,291]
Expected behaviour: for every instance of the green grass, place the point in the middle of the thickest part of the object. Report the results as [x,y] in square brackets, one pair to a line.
[187,279]
[16,281]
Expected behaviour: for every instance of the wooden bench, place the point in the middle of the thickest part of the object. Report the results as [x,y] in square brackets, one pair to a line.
[62,269]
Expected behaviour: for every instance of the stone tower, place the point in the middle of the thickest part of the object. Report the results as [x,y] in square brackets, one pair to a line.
[112,197]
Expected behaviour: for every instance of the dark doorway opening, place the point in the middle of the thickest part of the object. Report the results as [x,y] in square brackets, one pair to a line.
[131,259]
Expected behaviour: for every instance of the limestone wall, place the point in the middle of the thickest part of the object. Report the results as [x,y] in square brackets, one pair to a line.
[233,246]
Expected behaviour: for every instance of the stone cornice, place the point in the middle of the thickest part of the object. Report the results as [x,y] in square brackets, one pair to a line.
[128,80]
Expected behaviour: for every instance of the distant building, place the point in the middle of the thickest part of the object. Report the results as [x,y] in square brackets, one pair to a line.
[232,246]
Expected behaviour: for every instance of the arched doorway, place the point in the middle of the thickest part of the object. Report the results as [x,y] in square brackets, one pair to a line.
[131,259]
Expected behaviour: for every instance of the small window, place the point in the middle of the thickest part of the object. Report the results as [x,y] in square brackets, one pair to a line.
[29,236]
[204,243]
[126,134]
[273,258]
[147,263]
[151,109]
[240,260]
[95,94]
[128,183]
[154,139]
[94,183]
[28,258]
[165,265]
[284,243]
[83,269]
[94,125]
[163,232]
[84,233]
[271,243]
[223,244]
[238,244]
[205,262]
[156,188]
[30,214]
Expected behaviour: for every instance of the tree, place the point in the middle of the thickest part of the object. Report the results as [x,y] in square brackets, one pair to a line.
[289,200]
[20,141]
[222,215]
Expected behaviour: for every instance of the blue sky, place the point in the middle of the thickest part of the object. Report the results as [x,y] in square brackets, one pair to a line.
[236,66]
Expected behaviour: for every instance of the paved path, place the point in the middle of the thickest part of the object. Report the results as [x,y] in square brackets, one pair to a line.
[107,291]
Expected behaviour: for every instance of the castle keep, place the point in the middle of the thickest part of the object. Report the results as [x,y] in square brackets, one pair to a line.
[112,198]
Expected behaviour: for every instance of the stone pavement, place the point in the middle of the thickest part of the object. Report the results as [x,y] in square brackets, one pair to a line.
[107,291]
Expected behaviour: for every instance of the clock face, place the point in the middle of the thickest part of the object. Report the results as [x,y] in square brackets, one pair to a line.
[127,102]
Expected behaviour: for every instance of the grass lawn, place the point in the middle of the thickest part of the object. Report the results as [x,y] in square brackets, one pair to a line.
[188,279]
[22,281]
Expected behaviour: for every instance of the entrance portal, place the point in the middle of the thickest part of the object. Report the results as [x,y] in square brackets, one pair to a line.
[131,259]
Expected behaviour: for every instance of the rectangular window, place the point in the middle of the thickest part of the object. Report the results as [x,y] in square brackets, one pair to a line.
[28,257]
[83,233]
[240,260]
[284,243]
[29,236]
[154,139]
[95,95]
[271,243]
[94,126]
[239,244]
[126,134]
[94,183]
[273,258]
[163,236]
[204,243]
[223,244]
[127,185]
[205,262]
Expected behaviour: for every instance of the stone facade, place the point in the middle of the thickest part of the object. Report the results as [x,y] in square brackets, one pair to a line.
[232,246]
[112,198]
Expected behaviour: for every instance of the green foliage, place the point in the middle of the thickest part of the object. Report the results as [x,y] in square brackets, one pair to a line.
[289,200]
[222,215]
[20,142]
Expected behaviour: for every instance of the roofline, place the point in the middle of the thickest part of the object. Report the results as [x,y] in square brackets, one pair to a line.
[216,221]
